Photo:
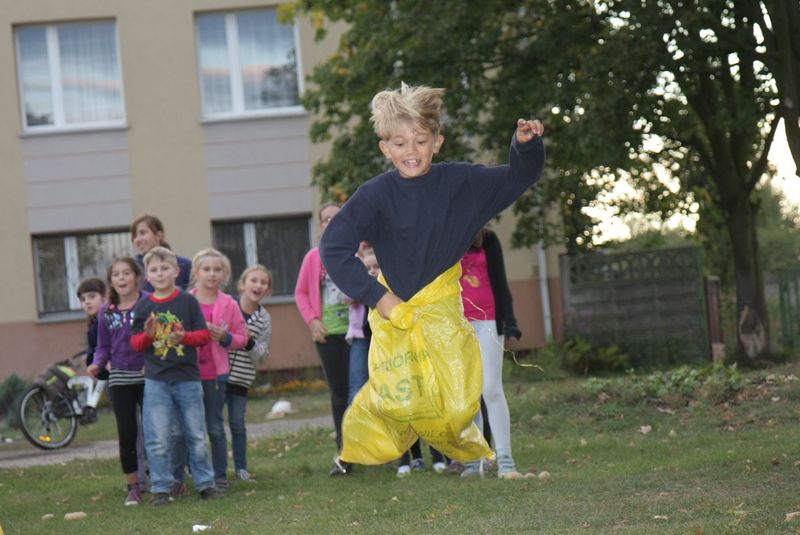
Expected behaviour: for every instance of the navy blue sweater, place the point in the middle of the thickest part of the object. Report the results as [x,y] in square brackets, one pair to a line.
[420,227]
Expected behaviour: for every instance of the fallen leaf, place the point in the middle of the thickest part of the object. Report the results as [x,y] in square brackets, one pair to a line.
[93,476]
[776,399]
[672,433]
[584,443]
[395,499]
[645,429]
[249,492]
[537,418]
[665,410]
[65,499]
[660,517]
[586,525]
[97,498]
[775,461]
[48,516]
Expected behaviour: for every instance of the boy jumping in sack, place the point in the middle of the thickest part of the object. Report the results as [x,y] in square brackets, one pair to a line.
[425,361]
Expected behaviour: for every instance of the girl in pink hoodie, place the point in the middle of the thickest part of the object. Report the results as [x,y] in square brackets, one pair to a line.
[211,271]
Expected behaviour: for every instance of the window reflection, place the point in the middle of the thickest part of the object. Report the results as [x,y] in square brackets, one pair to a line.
[248,62]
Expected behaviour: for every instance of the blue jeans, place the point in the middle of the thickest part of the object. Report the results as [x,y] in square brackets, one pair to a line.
[165,402]
[214,403]
[237,405]
[359,367]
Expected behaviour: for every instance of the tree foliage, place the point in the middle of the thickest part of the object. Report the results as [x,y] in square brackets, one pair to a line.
[623,86]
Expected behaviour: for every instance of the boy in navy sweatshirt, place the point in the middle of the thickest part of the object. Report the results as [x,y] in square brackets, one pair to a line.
[421,217]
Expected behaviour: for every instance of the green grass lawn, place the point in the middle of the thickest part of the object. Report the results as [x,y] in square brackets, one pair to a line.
[701,469]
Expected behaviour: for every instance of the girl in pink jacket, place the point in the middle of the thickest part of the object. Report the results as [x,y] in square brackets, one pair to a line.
[211,271]
[326,311]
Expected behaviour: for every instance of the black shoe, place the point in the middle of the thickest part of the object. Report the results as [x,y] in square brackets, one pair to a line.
[89,415]
[340,468]
[211,493]
[161,498]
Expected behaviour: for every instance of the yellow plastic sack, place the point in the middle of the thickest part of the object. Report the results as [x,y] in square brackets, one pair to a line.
[425,379]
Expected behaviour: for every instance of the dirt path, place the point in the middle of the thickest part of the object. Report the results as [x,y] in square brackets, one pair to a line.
[105,449]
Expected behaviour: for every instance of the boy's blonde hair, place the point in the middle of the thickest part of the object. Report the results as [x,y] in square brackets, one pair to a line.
[212,253]
[161,254]
[416,104]
[256,267]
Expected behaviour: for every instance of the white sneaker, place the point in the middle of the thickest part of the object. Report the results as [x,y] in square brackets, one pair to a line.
[439,467]
[403,471]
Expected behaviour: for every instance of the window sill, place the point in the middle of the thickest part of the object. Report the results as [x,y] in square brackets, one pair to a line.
[62,130]
[295,111]
[60,317]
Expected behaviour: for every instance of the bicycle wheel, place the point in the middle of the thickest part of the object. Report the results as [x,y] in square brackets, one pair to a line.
[48,424]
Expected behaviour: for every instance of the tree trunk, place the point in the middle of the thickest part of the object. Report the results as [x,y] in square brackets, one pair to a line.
[752,321]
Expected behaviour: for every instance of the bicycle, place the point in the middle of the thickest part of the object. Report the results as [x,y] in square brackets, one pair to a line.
[50,410]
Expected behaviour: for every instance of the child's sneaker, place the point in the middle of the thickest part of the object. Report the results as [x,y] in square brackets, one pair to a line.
[161,498]
[178,490]
[473,469]
[455,468]
[439,467]
[340,467]
[222,483]
[211,493]
[506,469]
[403,470]
[89,415]
[244,475]
[134,495]
[418,465]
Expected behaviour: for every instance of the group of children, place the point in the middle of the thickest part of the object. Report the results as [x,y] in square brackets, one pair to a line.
[170,349]
[174,358]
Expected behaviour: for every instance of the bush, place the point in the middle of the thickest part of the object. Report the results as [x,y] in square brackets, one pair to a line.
[715,383]
[11,391]
[578,356]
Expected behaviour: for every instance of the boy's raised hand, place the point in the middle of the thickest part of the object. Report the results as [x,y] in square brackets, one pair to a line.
[529,129]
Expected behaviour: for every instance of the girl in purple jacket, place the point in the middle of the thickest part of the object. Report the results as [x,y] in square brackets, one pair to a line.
[126,378]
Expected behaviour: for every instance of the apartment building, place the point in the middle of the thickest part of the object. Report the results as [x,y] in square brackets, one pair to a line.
[188,110]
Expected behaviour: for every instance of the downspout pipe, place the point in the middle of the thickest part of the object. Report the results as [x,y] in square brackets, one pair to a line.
[544,291]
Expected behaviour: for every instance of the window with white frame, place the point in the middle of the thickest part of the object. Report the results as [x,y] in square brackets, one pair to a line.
[279,244]
[248,63]
[62,262]
[69,75]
